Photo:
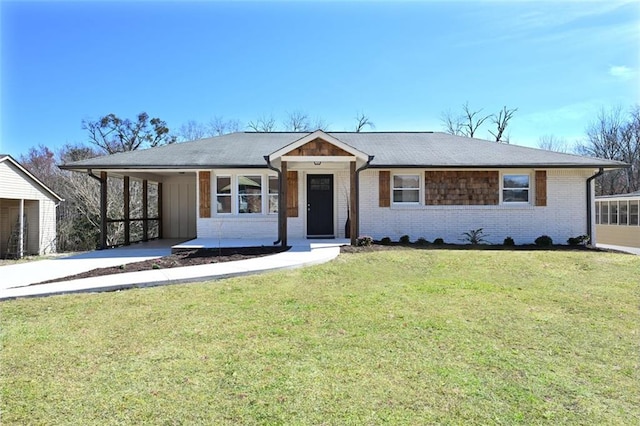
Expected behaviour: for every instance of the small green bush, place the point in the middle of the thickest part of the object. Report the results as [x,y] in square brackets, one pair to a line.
[155,266]
[385,241]
[508,242]
[544,241]
[581,240]
[422,241]
[364,241]
[405,239]
[438,241]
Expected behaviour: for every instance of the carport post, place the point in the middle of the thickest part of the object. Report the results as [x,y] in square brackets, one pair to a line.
[145,210]
[21,232]
[127,211]
[103,210]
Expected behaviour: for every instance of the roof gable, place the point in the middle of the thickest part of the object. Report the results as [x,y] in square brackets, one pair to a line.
[30,177]
[318,144]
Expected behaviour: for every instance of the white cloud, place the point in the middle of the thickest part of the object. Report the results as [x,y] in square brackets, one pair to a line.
[621,72]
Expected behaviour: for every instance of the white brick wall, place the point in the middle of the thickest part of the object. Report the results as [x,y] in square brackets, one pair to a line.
[563,217]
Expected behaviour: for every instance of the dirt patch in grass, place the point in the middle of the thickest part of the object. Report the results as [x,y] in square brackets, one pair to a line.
[182,258]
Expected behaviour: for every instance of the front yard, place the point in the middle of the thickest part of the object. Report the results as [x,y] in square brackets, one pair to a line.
[392,337]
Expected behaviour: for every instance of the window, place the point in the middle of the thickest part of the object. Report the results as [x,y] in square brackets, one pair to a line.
[273,194]
[406,189]
[250,194]
[223,194]
[613,212]
[515,188]
[605,212]
[634,212]
[598,213]
[623,211]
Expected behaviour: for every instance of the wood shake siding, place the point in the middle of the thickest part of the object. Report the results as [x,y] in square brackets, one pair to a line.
[292,193]
[541,188]
[461,188]
[318,147]
[204,181]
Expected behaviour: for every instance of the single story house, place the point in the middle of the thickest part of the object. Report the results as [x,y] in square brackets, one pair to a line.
[285,185]
[618,219]
[27,212]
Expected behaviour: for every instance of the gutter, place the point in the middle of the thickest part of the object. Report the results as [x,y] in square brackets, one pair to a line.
[281,210]
[589,213]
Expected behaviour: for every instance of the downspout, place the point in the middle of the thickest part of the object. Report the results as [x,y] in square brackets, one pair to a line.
[281,211]
[589,214]
[364,166]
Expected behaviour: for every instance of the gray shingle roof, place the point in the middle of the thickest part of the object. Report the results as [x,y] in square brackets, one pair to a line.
[390,149]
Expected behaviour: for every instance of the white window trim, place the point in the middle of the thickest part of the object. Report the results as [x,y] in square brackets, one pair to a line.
[235,194]
[531,188]
[420,188]
[230,195]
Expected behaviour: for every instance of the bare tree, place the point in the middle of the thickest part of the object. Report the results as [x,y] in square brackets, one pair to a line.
[616,137]
[113,134]
[220,126]
[297,121]
[363,121]
[192,130]
[452,123]
[501,120]
[553,143]
[263,124]
[468,123]
[471,120]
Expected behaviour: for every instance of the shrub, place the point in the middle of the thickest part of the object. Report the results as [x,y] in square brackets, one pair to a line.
[385,241]
[364,241]
[508,242]
[581,240]
[544,241]
[405,239]
[438,241]
[155,266]
[475,236]
[422,241]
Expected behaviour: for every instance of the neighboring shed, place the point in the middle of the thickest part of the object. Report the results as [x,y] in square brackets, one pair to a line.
[618,219]
[27,212]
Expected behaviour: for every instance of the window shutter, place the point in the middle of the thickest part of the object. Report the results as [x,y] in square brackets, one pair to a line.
[292,194]
[384,188]
[541,187]
[205,193]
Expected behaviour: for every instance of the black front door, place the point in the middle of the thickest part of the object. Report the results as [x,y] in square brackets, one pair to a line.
[320,206]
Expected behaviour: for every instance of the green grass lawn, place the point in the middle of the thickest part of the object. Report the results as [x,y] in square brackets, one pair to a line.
[396,337]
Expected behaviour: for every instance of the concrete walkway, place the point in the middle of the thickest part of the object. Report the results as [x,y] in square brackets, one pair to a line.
[632,250]
[16,280]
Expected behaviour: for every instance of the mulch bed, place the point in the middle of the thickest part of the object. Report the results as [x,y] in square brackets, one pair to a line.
[181,258]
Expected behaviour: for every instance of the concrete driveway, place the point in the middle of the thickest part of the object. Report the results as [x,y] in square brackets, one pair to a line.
[26,273]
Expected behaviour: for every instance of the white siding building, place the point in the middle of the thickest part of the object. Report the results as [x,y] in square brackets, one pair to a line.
[27,212]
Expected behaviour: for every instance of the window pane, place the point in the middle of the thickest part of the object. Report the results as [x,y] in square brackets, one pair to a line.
[613,212]
[406,181]
[623,212]
[273,203]
[406,196]
[515,195]
[604,212]
[224,203]
[223,185]
[633,212]
[597,212]
[273,184]
[516,181]
[273,194]
[249,194]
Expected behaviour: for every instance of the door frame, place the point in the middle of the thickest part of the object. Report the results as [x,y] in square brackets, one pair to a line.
[307,175]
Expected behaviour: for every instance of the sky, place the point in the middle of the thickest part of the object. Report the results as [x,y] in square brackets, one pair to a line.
[402,64]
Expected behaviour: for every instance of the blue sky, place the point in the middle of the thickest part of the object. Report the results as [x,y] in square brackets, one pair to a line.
[402,64]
